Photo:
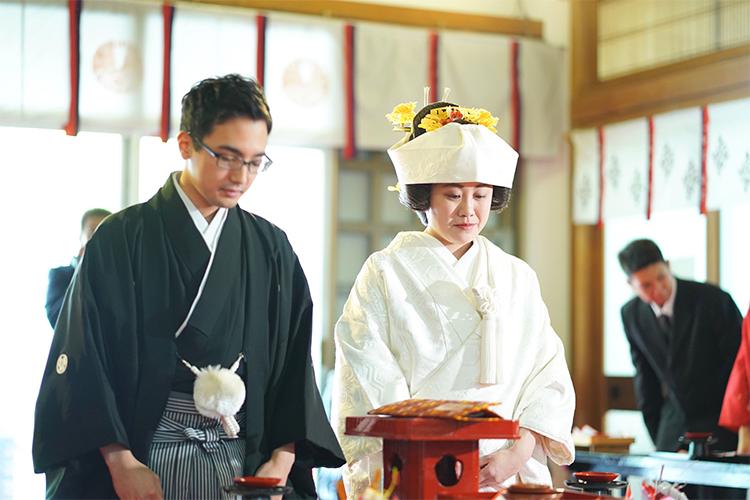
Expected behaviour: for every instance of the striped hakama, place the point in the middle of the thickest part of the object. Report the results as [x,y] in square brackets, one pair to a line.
[192,454]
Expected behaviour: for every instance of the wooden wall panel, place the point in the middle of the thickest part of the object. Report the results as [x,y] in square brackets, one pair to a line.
[587,288]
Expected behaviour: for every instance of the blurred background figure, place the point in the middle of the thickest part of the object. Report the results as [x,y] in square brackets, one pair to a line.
[683,339]
[59,277]
[735,412]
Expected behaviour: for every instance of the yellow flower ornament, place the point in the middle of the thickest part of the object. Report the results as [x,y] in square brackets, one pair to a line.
[442,116]
[402,116]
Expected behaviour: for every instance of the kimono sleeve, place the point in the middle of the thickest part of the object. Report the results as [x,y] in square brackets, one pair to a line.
[296,413]
[366,373]
[76,410]
[547,400]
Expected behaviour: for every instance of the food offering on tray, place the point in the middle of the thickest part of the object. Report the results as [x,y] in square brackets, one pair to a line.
[440,408]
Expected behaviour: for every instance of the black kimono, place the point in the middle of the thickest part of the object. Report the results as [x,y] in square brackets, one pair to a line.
[113,359]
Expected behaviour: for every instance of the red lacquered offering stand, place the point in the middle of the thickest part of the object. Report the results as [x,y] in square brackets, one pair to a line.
[423,447]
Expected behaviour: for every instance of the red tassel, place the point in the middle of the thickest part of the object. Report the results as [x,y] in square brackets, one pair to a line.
[704,158]
[349,144]
[433,66]
[650,202]
[168,16]
[260,59]
[74,23]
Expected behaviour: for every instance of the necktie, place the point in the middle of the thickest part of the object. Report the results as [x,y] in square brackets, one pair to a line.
[665,323]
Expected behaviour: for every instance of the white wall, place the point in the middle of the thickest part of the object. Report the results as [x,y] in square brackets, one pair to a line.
[545,235]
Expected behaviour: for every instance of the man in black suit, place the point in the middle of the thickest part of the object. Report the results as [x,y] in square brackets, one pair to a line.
[60,277]
[683,339]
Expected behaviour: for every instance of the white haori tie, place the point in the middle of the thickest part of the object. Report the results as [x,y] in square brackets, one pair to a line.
[219,393]
[487,307]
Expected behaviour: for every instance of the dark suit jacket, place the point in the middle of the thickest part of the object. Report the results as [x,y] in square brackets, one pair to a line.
[59,279]
[694,365]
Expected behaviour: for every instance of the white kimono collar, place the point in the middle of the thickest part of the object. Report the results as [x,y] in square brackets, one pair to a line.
[209,231]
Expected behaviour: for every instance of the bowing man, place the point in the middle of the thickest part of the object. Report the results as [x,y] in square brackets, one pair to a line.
[683,339]
[128,406]
[446,314]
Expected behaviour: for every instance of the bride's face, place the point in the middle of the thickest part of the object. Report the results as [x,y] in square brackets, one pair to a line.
[458,212]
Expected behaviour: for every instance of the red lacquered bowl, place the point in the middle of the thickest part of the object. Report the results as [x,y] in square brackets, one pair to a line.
[697,436]
[257,482]
[596,477]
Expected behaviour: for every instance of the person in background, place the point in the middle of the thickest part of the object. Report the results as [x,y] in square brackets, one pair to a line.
[60,277]
[181,358]
[683,338]
[735,412]
[446,314]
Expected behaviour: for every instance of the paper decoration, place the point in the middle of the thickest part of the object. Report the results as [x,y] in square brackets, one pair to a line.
[120,65]
[304,80]
[585,177]
[208,42]
[677,160]
[626,169]
[390,67]
[476,67]
[544,98]
[728,158]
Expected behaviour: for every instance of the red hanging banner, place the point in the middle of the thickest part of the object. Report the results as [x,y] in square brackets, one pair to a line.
[600,221]
[349,144]
[260,59]
[704,158]
[432,66]
[74,25]
[168,17]
[650,200]
[515,96]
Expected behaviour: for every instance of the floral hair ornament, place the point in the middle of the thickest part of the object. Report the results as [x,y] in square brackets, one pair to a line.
[449,114]
[402,116]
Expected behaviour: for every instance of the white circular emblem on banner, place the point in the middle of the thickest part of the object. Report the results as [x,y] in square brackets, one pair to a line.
[117,66]
[305,82]
[62,364]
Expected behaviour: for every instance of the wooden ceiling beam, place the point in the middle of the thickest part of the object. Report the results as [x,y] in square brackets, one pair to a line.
[423,18]
[701,80]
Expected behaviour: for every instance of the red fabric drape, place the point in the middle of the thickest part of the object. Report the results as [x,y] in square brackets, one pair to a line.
[650,200]
[432,66]
[168,17]
[515,96]
[704,158]
[74,24]
[600,221]
[349,144]
[260,59]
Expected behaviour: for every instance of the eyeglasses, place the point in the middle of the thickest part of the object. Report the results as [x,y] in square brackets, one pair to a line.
[233,163]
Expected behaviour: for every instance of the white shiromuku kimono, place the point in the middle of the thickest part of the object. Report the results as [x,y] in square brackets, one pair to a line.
[411,329]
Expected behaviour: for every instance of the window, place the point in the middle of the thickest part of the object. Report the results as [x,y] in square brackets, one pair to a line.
[295,195]
[156,160]
[50,180]
[734,250]
[636,35]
